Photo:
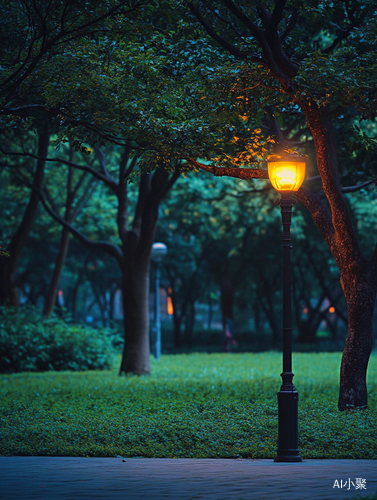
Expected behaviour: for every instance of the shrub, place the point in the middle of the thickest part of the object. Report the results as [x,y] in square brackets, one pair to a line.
[30,342]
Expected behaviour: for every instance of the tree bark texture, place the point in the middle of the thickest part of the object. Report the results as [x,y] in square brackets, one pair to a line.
[8,265]
[137,245]
[360,291]
[135,289]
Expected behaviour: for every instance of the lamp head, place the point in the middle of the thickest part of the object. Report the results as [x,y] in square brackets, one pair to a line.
[286,171]
[159,251]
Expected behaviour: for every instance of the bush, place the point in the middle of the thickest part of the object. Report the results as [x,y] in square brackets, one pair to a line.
[30,342]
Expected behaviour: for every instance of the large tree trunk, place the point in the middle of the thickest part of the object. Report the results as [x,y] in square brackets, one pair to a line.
[8,265]
[358,276]
[360,292]
[135,288]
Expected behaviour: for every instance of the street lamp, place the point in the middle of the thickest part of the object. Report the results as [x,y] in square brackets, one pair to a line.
[159,251]
[287,173]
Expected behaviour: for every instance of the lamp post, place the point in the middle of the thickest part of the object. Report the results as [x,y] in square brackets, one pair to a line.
[287,173]
[159,251]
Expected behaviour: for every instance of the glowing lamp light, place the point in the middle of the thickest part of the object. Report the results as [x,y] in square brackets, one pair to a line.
[331,309]
[286,171]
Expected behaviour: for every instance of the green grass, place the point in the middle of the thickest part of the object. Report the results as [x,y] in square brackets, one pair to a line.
[197,405]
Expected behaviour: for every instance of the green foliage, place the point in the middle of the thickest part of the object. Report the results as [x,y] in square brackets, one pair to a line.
[29,342]
[202,406]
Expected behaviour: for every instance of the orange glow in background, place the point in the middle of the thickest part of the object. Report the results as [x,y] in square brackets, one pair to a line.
[170,308]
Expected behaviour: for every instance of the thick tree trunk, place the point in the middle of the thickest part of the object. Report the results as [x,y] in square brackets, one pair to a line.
[358,276]
[8,265]
[360,292]
[135,288]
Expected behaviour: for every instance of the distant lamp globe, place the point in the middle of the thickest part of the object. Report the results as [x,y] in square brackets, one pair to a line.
[159,250]
[286,171]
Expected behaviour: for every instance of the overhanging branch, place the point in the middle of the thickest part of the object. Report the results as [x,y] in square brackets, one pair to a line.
[241,173]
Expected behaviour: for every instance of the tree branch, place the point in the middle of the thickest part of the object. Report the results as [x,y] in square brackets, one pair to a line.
[241,173]
[111,249]
[352,189]
[109,181]
[102,159]
[226,45]
[277,14]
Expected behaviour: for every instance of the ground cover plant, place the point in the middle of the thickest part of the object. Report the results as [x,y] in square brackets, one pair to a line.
[193,405]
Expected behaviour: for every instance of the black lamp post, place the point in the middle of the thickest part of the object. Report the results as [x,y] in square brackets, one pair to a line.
[159,251]
[287,173]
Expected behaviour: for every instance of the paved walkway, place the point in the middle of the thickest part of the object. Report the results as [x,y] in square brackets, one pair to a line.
[68,478]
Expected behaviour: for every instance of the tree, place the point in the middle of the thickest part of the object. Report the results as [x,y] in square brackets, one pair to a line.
[33,36]
[34,33]
[272,45]
[133,254]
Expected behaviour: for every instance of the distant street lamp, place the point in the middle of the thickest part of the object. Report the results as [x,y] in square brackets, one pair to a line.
[159,251]
[287,173]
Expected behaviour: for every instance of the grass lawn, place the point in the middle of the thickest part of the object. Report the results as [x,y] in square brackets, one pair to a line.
[195,405]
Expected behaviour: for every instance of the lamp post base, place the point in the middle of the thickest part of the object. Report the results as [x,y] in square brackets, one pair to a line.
[288,458]
[288,426]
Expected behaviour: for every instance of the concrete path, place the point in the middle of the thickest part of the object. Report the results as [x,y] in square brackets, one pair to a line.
[68,478]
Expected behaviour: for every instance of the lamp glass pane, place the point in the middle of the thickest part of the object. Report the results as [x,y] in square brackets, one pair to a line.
[286,175]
